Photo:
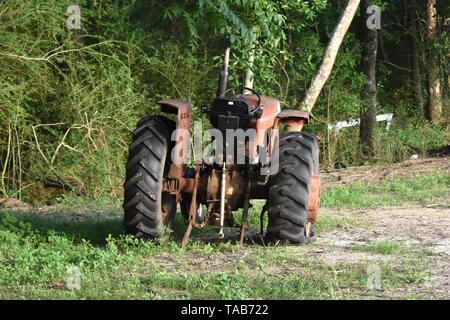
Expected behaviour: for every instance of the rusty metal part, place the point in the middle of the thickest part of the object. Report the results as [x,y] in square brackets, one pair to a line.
[308,229]
[293,114]
[166,207]
[244,225]
[293,119]
[294,125]
[175,184]
[175,106]
[235,188]
[193,208]
[222,200]
[314,199]
[244,228]
[185,240]
[270,109]
[258,190]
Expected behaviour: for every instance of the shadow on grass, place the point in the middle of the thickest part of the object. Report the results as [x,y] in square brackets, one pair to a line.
[96,228]
[209,234]
[93,229]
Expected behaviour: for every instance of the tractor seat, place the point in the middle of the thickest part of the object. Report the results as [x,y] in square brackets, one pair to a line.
[230,113]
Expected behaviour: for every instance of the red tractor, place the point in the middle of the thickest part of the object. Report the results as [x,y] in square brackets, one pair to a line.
[282,169]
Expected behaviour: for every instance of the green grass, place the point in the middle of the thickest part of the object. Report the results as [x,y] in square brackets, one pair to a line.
[36,252]
[420,189]
[328,222]
[382,247]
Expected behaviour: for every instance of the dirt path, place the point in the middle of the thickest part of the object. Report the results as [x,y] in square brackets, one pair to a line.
[423,231]
[419,238]
[421,228]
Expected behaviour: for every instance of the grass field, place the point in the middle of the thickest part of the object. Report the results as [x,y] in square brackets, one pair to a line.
[39,249]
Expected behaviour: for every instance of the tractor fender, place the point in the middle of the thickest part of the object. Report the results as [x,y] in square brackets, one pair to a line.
[294,118]
[183,110]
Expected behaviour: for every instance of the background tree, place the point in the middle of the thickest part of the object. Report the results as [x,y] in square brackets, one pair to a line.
[330,56]
[434,81]
[411,8]
[368,125]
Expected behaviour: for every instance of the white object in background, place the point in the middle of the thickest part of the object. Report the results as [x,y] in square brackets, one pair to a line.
[355,122]
[386,117]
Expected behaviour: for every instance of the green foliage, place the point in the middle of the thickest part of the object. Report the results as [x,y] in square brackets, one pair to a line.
[399,143]
[382,247]
[422,189]
[421,137]
[70,99]
[328,222]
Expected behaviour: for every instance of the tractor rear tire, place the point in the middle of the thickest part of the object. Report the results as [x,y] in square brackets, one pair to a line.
[148,210]
[287,204]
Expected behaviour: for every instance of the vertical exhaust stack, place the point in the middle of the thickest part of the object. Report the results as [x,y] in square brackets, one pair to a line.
[223,78]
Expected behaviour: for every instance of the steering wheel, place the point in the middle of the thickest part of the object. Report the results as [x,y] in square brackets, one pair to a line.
[256,112]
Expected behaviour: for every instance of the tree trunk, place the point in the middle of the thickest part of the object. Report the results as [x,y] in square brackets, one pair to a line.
[248,74]
[434,108]
[330,56]
[368,123]
[445,66]
[411,10]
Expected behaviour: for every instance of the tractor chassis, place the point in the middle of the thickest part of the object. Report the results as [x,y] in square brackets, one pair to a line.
[224,189]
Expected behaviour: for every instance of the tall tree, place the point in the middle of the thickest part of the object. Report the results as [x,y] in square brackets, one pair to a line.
[434,108]
[368,67]
[330,56]
[444,56]
[414,45]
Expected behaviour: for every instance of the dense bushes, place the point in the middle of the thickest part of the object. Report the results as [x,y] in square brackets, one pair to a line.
[399,143]
[69,99]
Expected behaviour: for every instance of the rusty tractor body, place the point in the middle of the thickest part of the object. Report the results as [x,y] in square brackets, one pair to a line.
[279,168]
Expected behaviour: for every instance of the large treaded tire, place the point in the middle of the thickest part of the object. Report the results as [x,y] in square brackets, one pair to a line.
[147,210]
[287,203]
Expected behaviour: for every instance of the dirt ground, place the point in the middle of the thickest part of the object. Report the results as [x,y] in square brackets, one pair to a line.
[417,228]
[420,232]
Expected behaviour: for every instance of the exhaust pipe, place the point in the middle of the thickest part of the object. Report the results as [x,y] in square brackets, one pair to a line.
[223,77]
